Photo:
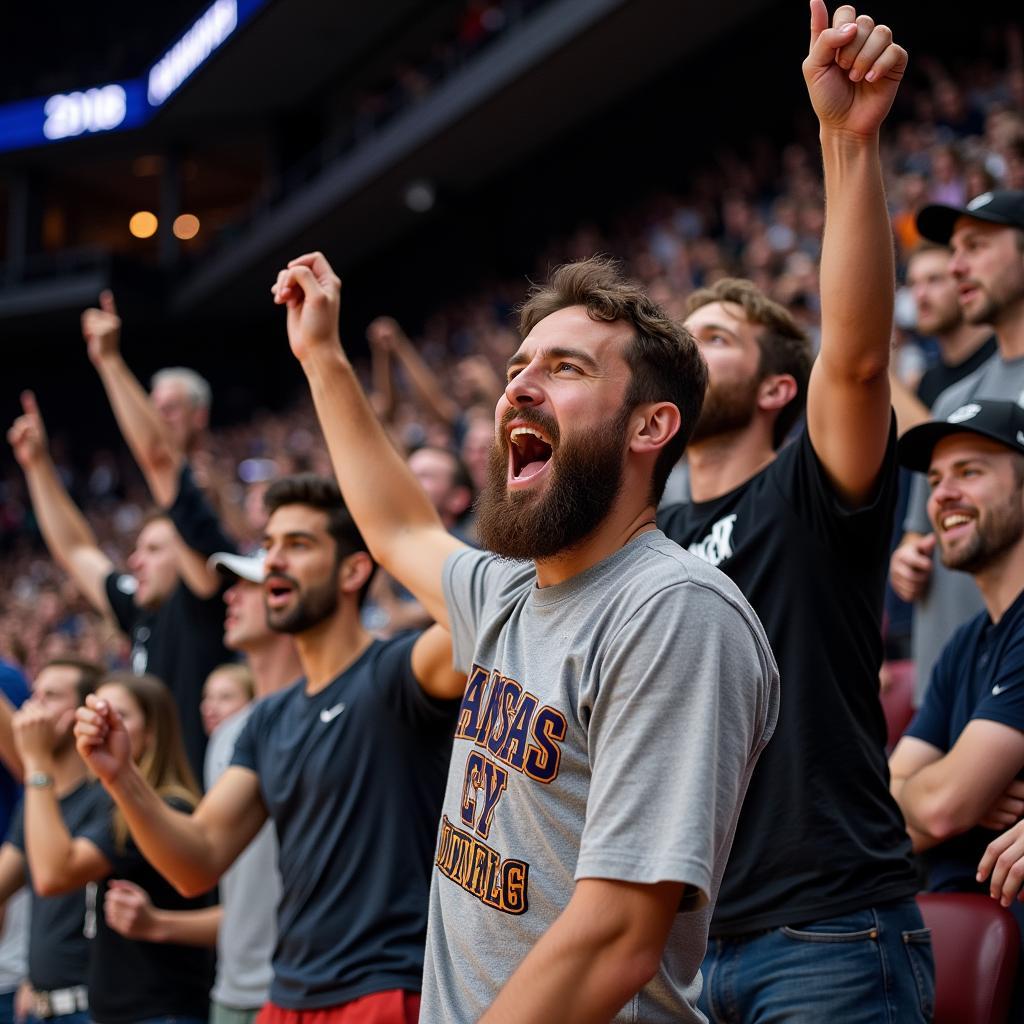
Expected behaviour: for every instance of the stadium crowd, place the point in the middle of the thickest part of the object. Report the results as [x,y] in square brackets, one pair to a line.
[101,599]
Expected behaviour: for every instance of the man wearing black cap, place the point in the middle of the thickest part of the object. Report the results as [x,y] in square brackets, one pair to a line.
[955,773]
[987,263]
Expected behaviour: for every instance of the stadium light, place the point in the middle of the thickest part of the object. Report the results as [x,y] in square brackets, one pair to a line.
[186,226]
[143,224]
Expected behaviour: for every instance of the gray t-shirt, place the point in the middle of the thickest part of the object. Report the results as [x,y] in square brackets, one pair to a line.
[952,597]
[609,729]
[249,891]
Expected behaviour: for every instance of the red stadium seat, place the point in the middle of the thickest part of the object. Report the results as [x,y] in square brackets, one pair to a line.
[897,699]
[976,944]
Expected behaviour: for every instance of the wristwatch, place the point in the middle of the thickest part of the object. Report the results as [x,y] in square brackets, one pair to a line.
[38,780]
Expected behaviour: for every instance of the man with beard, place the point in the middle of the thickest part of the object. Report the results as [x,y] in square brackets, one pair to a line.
[963,346]
[955,772]
[243,926]
[619,691]
[58,948]
[349,763]
[987,240]
[821,858]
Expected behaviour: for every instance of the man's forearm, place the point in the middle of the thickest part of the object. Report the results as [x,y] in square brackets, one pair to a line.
[379,489]
[857,271]
[173,842]
[186,927]
[140,425]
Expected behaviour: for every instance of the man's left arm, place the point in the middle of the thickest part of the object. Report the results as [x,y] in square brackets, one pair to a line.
[660,811]
[949,794]
[852,71]
[603,948]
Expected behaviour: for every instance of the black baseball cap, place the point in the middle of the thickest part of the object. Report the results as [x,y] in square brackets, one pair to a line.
[1001,206]
[1000,421]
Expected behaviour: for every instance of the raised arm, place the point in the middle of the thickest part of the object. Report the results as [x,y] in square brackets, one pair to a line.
[852,71]
[395,517]
[58,861]
[193,850]
[144,433]
[429,392]
[68,536]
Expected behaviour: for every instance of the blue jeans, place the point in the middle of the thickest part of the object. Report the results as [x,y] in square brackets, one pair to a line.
[870,967]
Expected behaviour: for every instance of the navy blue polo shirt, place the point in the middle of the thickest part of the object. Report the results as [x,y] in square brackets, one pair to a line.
[979,675]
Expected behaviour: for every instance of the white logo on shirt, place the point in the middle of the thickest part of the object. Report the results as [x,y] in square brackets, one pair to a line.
[330,714]
[997,689]
[716,547]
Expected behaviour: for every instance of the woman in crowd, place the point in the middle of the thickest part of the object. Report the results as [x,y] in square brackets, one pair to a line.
[129,981]
[228,689]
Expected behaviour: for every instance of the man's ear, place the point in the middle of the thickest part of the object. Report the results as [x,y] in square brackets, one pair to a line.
[655,424]
[776,391]
[356,569]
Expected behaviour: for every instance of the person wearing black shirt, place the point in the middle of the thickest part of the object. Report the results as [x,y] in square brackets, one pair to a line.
[816,918]
[350,763]
[169,605]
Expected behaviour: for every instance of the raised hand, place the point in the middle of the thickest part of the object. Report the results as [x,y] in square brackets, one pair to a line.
[129,910]
[35,734]
[384,333]
[101,328]
[312,293]
[101,739]
[27,435]
[852,70]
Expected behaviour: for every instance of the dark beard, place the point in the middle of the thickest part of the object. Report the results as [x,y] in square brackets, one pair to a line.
[727,409]
[310,609]
[585,480]
[995,535]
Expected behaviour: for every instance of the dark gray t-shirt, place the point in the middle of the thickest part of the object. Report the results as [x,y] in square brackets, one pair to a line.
[58,950]
[609,729]
[352,777]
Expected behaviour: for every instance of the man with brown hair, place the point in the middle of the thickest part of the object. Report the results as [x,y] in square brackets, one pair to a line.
[594,786]
[821,860]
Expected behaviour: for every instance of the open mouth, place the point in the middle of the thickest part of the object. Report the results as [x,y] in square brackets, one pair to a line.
[529,453]
[954,522]
[277,592]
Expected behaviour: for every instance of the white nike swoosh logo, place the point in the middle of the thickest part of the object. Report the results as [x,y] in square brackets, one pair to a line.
[330,714]
[997,689]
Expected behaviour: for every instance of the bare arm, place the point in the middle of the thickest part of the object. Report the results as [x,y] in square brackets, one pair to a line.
[130,912]
[401,527]
[8,749]
[68,536]
[12,871]
[139,421]
[910,410]
[852,73]
[599,952]
[380,370]
[950,794]
[432,665]
[190,851]
[430,394]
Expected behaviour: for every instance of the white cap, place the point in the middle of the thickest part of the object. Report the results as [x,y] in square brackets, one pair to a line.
[242,567]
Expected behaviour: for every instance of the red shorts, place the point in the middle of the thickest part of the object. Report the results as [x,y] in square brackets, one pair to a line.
[393,1006]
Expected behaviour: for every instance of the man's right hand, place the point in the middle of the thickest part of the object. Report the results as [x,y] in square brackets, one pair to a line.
[311,290]
[27,436]
[101,329]
[910,570]
[101,740]
[384,333]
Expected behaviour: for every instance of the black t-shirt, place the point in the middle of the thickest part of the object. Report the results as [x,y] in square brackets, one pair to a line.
[353,778]
[58,948]
[937,378]
[131,980]
[979,675]
[818,835]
